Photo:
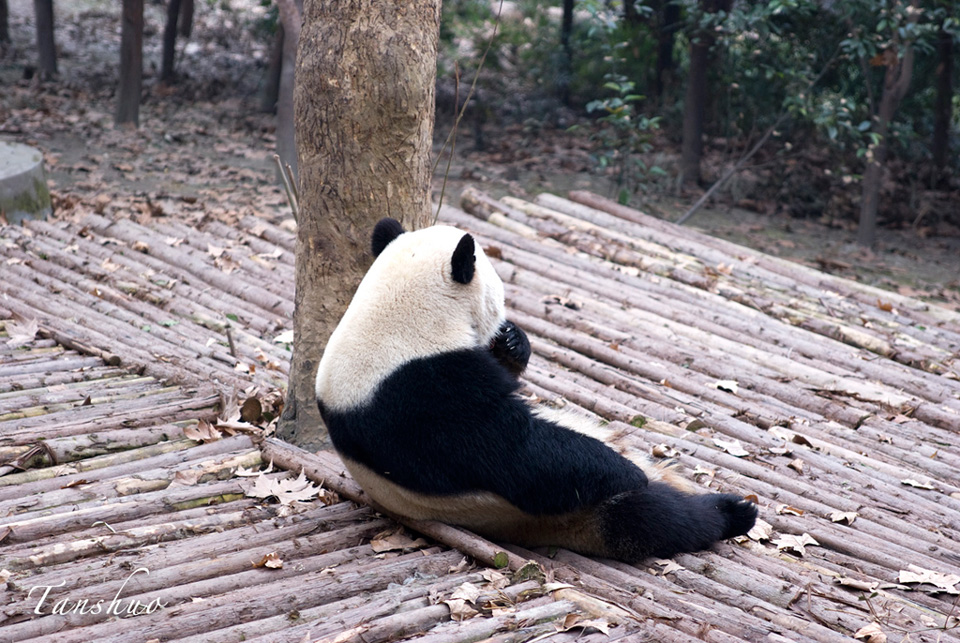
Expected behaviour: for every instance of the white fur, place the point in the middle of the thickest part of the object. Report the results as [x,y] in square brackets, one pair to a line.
[408,306]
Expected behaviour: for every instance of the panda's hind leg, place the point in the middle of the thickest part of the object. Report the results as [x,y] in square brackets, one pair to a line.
[662,521]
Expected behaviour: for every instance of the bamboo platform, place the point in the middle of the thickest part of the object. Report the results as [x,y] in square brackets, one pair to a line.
[835,404]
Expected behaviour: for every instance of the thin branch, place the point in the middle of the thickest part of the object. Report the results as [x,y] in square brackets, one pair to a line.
[453,143]
[466,102]
[784,112]
[289,186]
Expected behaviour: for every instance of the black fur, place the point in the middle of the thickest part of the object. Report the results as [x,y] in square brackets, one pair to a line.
[464,261]
[384,232]
[451,424]
[511,348]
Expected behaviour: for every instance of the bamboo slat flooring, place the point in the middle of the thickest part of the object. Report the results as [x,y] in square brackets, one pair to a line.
[835,404]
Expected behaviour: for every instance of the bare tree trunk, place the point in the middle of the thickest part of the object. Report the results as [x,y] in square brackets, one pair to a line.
[46,48]
[131,64]
[940,145]
[566,71]
[896,81]
[170,41]
[693,108]
[694,103]
[271,88]
[186,18]
[667,25]
[4,22]
[290,17]
[364,107]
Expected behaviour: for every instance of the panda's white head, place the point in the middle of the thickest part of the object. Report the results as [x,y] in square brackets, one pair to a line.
[429,291]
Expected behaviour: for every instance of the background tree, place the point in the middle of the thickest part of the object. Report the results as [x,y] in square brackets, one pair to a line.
[186,18]
[131,63]
[46,47]
[364,109]
[940,143]
[290,12]
[694,103]
[4,22]
[170,41]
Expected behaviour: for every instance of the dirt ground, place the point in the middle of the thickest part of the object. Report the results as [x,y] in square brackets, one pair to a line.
[205,150]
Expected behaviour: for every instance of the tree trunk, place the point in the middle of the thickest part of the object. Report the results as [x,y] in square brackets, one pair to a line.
[566,70]
[364,107]
[131,63]
[694,103]
[170,41]
[693,109]
[630,14]
[940,145]
[46,48]
[4,22]
[896,81]
[290,16]
[271,87]
[668,23]
[186,18]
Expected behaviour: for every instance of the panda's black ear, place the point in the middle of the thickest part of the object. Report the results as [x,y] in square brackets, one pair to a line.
[384,232]
[463,263]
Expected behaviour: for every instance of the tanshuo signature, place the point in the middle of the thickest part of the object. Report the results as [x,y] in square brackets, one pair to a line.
[117,606]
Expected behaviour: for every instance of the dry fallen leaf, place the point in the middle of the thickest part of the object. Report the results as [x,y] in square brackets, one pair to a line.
[846,517]
[669,566]
[871,634]
[572,621]
[467,592]
[762,530]
[942,582]
[21,333]
[733,447]
[460,610]
[787,509]
[287,491]
[917,484]
[864,586]
[664,451]
[270,561]
[396,541]
[495,579]
[188,477]
[797,465]
[795,544]
[202,432]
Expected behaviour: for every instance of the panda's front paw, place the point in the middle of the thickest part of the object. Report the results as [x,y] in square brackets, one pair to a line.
[511,348]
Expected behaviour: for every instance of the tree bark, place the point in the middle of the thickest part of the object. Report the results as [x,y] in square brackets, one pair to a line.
[271,88]
[364,108]
[131,64]
[896,81]
[170,41]
[668,23]
[4,22]
[186,18]
[46,48]
[940,145]
[694,103]
[566,71]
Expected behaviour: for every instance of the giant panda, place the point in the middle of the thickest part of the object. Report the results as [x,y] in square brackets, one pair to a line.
[418,388]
